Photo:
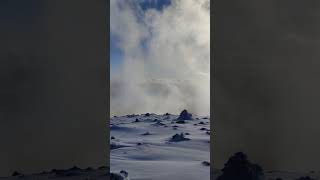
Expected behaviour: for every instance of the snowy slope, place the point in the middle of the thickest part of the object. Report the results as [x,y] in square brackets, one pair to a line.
[142,146]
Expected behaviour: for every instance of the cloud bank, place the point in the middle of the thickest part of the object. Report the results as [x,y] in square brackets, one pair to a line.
[166,57]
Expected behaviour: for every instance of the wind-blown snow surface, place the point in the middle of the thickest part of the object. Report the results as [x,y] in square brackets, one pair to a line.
[142,146]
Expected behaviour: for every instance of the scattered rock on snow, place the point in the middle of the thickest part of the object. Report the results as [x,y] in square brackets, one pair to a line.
[137,120]
[115,146]
[178,137]
[184,115]
[146,133]
[158,124]
[180,122]
[203,129]
[131,115]
[206,163]
[116,176]
[124,173]
[239,167]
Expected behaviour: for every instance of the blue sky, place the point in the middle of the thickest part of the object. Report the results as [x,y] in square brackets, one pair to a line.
[116,54]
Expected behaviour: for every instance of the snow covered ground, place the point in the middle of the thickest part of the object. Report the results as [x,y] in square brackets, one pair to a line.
[156,147]
[144,146]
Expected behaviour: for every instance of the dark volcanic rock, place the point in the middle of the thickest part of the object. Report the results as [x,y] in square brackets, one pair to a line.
[116,176]
[158,123]
[146,133]
[184,115]
[180,122]
[119,176]
[16,173]
[124,173]
[131,115]
[238,167]
[206,163]
[115,146]
[137,120]
[178,137]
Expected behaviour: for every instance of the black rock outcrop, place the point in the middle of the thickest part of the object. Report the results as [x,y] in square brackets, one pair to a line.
[184,115]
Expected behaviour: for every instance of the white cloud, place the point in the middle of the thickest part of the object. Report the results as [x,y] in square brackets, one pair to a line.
[173,72]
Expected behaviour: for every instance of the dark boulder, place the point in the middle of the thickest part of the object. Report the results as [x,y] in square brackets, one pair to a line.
[184,115]
[206,163]
[146,134]
[116,176]
[124,173]
[137,120]
[240,168]
[147,115]
[16,173]
[180,122]
[178,137]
